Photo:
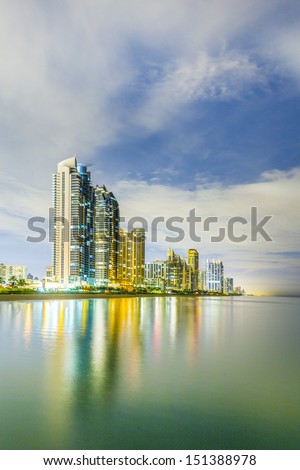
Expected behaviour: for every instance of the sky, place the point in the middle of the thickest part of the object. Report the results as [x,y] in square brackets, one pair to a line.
[175,105]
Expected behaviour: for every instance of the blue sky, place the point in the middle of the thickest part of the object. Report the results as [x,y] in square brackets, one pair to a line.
[175,103]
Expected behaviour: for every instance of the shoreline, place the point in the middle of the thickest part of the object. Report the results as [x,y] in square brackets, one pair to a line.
[78,296]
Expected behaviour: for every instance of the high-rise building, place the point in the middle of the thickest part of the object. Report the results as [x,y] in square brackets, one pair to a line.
[73,251]
[239,290]
[177,271]
[106,230]
[155,274]
[228,285]
[202,280]
[17,271]
[174,272]
[193,259]
[215,276]
[49,272]
[193,263]
[124,267]
[2,272]
[138,256]
[132,258]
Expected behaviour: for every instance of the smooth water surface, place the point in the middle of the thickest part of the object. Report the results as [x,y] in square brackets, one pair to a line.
[150,373]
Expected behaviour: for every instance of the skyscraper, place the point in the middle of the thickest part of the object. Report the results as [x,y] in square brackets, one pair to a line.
[176,271]
[228,285]
[124,267]
[215,276]
[193,263]
[106,236]
[2,272]
[138,256]
[132,258]
[202,280]
[155,274]
[193,259]
[73,251]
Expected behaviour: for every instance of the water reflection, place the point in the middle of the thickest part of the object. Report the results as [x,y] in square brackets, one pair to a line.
[88,365]
[92,345]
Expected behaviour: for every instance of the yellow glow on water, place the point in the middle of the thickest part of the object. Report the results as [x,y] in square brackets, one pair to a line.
[61,320]
[168,362]
[28,322]
[84,316]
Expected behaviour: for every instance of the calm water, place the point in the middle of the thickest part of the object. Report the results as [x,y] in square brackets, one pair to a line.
[150,373]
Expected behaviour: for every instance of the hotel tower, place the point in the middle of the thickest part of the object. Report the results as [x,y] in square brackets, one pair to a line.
[106,225]
[132,258]
[215,276]
[74,200]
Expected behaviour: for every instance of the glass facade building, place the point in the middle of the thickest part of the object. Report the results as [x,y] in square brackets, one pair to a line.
[106,236]
[132,258]
[215,276]
[73,222]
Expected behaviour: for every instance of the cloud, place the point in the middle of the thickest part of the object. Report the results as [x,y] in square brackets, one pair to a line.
[222,77]
[72,72]
[283,49]
[18,203]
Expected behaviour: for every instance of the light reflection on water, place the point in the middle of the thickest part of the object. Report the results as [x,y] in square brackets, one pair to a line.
[173,372]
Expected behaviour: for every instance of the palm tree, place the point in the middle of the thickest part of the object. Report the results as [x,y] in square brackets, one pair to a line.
[12,281]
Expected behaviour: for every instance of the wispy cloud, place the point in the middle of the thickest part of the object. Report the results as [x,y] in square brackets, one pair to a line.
[222,77]
[69,68]
[19,201]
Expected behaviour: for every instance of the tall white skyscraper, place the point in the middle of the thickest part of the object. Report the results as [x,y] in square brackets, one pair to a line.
[73,251]
[215,276]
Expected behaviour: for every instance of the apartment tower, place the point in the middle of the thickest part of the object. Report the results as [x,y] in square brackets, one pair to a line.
[106,236]
[73,221]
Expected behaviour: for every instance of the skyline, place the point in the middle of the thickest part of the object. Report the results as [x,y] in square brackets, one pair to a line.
[160,106]
[90,249]
[84,227]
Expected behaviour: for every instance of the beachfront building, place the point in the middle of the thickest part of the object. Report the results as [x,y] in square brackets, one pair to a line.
[131,266]
[2,273]
[155,274]
[73,197]
[202,279]
[49,272]
[174,273]
[215,276]
[106,232]
[177,271]
[193,273]
[12,271]
[228,285]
